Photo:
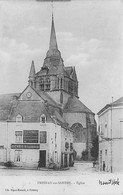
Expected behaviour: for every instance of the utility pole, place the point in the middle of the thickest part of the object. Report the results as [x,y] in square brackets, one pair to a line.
[111,138]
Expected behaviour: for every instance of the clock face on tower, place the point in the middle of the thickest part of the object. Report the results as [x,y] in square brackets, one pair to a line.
[28,94]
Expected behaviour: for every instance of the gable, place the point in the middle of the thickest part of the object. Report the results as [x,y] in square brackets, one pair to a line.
[29,94]
[74,76]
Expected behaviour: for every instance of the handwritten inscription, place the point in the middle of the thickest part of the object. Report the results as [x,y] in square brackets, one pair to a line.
[110,182]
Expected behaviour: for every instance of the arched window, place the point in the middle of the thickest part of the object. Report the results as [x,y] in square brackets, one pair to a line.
[42,84]
[61,83]
[31,84]
[58,83]
[47,84]
[43,118]
[69,86]
[79,134]
[34,84]
[19,118]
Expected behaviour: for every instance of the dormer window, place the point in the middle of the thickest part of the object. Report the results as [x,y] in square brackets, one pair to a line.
[19,118]
[43,118]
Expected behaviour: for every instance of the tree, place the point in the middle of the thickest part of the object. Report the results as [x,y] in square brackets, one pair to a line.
[95,148]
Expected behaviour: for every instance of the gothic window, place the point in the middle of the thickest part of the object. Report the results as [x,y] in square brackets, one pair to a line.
[47,84]
[18,118]
[65,84]
[61,83]
[31,84]
[42,84]
[75,88]
[69,86]
[58,83]
[79,135]
[43,118]
[34,84]
[61,98]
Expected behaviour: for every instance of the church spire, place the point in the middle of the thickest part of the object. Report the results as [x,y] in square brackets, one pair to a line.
[53,41]
[32,70]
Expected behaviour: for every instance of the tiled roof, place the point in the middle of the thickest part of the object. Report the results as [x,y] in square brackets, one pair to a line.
[5,104]
[75,105]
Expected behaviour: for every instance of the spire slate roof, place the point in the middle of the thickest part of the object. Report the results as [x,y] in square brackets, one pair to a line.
[53,41]
[32,70]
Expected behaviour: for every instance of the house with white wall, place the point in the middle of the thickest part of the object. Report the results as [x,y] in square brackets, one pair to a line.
[32,130]
[110,120]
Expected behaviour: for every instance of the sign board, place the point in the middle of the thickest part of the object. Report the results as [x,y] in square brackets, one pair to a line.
[25,146]
[30,136]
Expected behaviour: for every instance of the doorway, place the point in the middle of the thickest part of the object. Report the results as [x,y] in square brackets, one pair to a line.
[65,160]
[42,158]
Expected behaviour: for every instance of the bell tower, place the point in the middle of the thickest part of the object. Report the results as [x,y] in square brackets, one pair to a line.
[54,78]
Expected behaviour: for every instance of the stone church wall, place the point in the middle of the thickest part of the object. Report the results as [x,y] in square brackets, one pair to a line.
[72,118]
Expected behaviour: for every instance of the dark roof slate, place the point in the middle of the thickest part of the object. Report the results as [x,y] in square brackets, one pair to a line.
[75,105]
[5,104]
[46,97]
[31,111]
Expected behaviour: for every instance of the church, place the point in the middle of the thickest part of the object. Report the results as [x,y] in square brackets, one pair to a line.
[46,123]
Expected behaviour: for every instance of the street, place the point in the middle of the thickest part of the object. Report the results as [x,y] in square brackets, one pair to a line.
[79,168]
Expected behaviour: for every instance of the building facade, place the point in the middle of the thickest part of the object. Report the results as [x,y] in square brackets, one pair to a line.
[53,89]
[33,131]
[111,137]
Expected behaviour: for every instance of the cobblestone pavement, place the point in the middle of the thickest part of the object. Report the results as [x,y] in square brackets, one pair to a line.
[78,169]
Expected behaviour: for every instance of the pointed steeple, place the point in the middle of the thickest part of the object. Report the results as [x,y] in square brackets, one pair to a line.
[53,55]
[32,70]
[53,41]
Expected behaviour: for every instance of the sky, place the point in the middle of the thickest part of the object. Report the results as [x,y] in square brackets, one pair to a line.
[89,36]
